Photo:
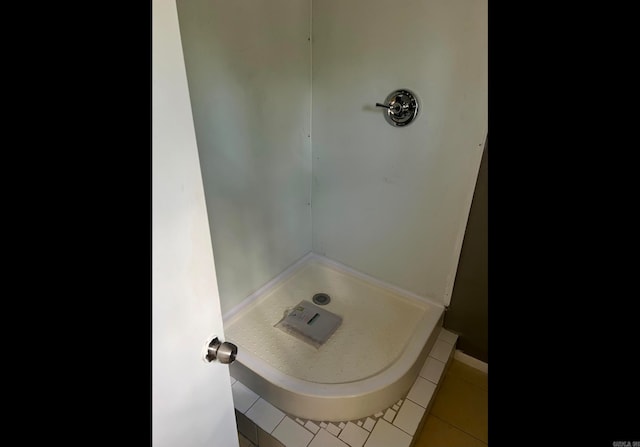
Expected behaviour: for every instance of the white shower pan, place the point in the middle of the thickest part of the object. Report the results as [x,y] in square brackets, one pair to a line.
[367,365]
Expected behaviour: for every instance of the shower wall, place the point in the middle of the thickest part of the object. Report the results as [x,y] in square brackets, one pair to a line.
[393,202]
[248,68]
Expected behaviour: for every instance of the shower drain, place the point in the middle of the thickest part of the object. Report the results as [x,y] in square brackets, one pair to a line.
[321,299]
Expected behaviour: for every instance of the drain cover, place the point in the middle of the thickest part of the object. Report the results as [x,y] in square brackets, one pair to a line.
[321,299]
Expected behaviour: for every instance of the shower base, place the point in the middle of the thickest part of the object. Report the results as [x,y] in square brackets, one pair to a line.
[367,365]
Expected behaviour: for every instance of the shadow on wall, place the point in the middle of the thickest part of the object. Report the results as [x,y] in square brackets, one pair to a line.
[468,312]
[245,60]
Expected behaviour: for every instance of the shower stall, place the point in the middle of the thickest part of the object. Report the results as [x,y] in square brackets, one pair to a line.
[339,143]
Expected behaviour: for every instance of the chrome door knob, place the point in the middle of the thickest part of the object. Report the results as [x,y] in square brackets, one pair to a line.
[223,352]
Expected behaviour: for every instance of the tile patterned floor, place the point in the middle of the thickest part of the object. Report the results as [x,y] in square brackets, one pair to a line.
[427,417]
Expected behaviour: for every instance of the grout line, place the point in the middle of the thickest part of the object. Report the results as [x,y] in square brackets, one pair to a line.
[247,410]
[457,428]
[413,436]
[420,405]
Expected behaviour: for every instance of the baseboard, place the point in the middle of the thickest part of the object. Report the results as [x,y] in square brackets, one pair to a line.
[471,361]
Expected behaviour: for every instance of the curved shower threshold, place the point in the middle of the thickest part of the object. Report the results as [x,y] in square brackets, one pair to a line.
[264,425]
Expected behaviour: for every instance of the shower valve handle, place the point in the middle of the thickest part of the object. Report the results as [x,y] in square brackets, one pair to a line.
[402,107]
[395,108]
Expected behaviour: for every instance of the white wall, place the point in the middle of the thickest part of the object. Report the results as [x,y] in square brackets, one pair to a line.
[248,67]
[393,202]
[192,404]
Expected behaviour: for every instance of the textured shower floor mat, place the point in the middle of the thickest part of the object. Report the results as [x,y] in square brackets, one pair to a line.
[376,325]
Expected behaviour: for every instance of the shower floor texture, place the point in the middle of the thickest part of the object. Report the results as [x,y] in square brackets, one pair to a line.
[376,324]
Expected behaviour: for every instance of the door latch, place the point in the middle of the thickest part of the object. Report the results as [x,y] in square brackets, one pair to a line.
[223,352]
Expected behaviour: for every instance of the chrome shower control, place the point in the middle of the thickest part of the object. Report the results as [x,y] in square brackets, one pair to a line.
[402,107]
[395,109]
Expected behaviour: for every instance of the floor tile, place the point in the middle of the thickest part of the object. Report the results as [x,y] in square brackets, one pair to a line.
[244,442]
[468,373]
[421,392]
[324,439]
[265,415]
[369,423]
[313,428]
[291,434]
[247,427]
[243,397]
[333,429]
[266,440]
[354,435]
[389,415]
[432,370]
[386,435]
[409,417]
[463,405]
[441,350]
[437,433]
[447,336]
